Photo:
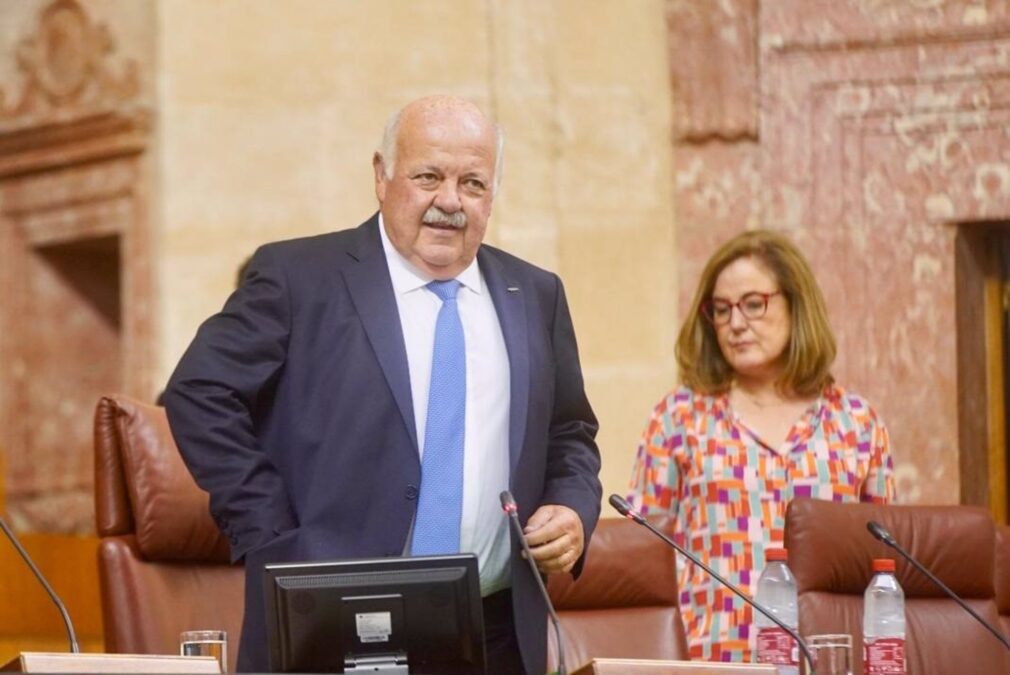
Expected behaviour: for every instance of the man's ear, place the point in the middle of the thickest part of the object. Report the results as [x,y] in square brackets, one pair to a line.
[380,177]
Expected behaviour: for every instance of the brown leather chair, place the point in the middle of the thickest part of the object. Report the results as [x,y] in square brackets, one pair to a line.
[1003,577]
[830,552]
[162,562]
[624,604]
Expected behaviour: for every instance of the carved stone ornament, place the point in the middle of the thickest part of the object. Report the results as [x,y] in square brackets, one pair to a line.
[66,63]
[713,68]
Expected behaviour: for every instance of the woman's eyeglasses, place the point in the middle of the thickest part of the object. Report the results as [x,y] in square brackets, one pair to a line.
[751,306]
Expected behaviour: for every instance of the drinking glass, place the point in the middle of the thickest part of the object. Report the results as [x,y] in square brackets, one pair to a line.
[205,643]
[832,653]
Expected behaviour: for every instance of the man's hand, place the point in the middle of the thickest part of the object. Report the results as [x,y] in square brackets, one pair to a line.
[555,536]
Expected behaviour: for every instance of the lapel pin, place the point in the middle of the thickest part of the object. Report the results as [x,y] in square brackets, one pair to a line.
[512,289]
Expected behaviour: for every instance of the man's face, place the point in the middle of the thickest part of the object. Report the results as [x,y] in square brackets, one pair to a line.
[436,204]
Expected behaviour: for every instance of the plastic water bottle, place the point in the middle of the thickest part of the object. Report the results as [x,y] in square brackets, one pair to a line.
[776,592]
[883,622]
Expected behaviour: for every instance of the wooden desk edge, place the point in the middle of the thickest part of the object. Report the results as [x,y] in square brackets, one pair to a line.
[65,662]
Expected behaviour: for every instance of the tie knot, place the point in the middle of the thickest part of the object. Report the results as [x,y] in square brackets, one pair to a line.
[445,290]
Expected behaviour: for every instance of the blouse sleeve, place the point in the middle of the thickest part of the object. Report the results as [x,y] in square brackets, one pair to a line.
[878,486]
[656,477]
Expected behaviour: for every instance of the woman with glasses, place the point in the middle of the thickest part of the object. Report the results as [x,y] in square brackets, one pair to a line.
[757,421]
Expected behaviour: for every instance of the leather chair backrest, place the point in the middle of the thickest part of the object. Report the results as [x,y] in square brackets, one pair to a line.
[831,554]
[624,604]
[1003,577]
[163,563]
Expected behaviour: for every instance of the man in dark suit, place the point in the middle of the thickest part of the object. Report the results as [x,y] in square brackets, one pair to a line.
[362,387]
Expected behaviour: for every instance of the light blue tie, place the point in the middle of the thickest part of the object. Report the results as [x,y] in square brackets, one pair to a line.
[440,504]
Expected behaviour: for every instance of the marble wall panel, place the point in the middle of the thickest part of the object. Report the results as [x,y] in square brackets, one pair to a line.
[713,68]
[861,23]
[76,315]
[718,189]
[712,51]
[65,337]
[882,127]
[50,476]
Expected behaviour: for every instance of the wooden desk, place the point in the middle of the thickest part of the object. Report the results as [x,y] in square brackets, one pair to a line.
[653,667]
[65,662]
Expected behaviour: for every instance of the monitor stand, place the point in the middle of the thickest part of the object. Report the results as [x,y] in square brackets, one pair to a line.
[388,665]
[378,643]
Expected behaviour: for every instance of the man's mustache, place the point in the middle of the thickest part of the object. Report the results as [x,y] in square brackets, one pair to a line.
[436,216]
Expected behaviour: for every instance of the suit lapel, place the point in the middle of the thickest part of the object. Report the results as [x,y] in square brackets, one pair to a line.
[510,305]
[371,292]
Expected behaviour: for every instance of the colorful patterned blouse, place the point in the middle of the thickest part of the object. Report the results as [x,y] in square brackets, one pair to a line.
[728,492]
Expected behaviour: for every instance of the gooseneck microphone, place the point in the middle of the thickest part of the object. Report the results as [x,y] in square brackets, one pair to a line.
[45,584]
[879,532]
[508,504]
[624,508]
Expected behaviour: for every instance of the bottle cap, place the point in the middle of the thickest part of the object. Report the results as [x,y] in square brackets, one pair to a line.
[777,555]
[883,565]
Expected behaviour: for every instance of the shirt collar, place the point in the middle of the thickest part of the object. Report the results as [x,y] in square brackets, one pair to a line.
[405,275]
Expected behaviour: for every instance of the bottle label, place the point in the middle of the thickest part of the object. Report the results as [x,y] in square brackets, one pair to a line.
[884,656]
[774,645]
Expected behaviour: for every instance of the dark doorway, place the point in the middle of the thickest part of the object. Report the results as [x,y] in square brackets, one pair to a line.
[68,352]
[982,272]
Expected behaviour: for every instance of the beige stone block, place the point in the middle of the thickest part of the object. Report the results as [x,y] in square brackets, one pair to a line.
[532,152]
[262,177]
[529,234]
[614,157]
[620,284]
[273,172]
[583,141]
[198,285]
[623,397]
[310,51]
[605,43]
[524,44]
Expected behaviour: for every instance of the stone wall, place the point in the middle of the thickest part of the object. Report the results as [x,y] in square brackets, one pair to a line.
[263,119]
[639,136]
[269,133]
[77,315]
[868,130]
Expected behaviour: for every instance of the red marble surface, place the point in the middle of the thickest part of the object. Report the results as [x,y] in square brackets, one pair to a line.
[717,192]
[883,125]
[713,68]
[75,273]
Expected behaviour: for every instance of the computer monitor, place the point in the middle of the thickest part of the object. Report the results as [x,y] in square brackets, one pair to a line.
[385,615]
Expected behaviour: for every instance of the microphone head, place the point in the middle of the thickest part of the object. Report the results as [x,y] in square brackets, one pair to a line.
[508,503]
[880,532]
[620,503]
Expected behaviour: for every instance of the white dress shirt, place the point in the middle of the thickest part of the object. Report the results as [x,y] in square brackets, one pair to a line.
[484,527]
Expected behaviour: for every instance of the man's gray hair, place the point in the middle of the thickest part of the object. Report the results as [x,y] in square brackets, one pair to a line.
[387,151]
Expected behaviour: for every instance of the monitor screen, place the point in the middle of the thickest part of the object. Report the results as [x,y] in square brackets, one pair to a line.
[376,615]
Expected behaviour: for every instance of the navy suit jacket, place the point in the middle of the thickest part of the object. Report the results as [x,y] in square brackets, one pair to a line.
[292,408]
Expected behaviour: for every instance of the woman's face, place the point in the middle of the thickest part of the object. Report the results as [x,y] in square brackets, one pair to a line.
[751,346]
